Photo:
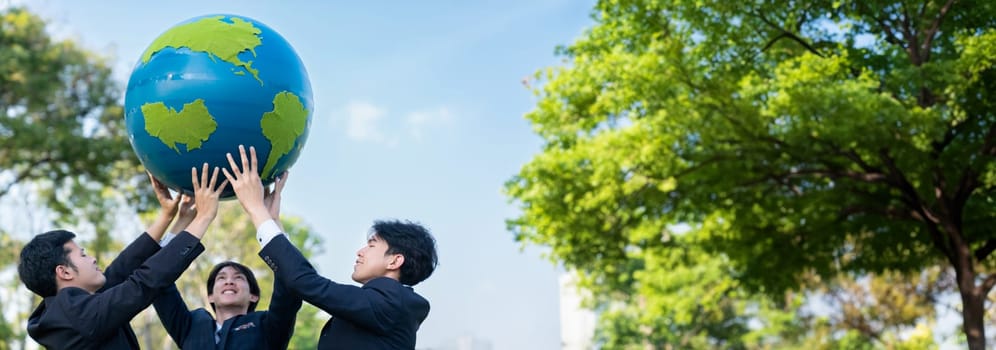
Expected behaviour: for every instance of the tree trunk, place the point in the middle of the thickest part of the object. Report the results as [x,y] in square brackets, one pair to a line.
[973,309]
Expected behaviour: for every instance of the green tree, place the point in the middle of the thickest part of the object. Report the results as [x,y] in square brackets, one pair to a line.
[63,146]
[62,127]
[682,297]
[794,138]
[233,237]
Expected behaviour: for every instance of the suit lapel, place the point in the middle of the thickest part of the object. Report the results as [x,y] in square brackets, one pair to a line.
[225,330]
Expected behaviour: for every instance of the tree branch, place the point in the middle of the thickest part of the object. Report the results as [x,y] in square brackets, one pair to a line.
[785,34]
[912,199]
[985,250]
[890,36]
[988,145]
[966,185]
[950,133]
[934,27]
[913,47]
[988,284]
[904,186]
[23,174]
[856,158]
[772,42]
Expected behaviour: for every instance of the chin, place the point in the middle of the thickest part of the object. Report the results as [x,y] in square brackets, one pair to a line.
[233,304]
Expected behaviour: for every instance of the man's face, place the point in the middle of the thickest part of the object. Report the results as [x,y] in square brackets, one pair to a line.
[84,273]
[372,260]
[231,289]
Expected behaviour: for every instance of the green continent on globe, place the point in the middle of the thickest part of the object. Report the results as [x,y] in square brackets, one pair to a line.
[282,126]
[215,37]
[191,126]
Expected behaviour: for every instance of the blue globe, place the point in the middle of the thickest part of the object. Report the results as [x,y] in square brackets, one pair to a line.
[212,83]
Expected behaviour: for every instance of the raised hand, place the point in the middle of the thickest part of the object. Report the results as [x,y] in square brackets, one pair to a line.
[271,198]
[247,185]
[186,214]
[167,202]
[207,192]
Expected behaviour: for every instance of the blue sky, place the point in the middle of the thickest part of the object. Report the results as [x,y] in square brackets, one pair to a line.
[419,115]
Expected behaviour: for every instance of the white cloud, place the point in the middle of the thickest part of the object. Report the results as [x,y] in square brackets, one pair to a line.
[362,122]
[369,122]
[417,122]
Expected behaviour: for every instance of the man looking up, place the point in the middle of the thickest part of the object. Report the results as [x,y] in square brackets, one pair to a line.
[383,313]
[85,309]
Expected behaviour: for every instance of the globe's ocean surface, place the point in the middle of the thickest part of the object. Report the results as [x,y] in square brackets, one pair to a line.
[209,84]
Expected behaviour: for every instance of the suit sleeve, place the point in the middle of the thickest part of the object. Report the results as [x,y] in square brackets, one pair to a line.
[102,314]
[174,314]
[367,308]
[280,318]
[129,259]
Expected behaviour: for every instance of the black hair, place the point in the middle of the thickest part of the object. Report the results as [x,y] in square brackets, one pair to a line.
[250,277]
[39,258]
[415,243]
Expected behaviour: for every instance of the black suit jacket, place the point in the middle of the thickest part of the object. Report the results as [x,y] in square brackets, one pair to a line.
[383,314]
[256,330]
[76,319]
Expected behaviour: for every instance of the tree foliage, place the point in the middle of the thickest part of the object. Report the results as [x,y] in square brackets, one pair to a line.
[64,153]
[794,139]
[61,122]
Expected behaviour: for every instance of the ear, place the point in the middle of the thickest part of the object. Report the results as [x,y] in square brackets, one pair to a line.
[65,273]
[396,261]
[253,298]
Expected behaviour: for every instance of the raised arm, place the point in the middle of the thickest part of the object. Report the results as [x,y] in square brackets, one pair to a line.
[172,310]
[169,205]
[284,304]
[367,307]
[174,314]
[280,318]
[103,313]
[146,244]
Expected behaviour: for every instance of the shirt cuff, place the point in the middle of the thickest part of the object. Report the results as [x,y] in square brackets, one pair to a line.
[267,231]
[166,238]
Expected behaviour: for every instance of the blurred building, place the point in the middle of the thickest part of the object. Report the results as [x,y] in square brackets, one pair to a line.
[465,342]
[577,325]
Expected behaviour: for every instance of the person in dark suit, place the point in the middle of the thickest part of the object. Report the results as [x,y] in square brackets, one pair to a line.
[233,294]
[383,313]
[84,308]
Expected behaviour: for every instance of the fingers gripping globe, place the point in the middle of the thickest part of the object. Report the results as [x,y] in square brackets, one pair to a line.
[212,83]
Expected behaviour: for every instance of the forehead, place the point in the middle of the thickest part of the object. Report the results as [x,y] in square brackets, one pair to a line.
[229,270]
[71,246]
[377,242]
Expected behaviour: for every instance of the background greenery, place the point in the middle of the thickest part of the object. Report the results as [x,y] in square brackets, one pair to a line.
[711,166]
